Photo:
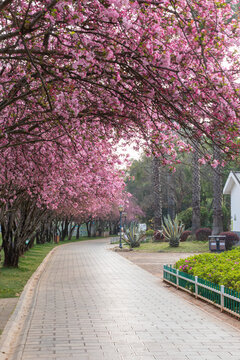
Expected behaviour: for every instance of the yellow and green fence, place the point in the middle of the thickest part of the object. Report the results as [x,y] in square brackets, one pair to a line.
[218,295]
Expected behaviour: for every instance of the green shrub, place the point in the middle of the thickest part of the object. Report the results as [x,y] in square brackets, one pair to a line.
[186,217]
[202,234]
[222,269]
[192,237]
[149,233]
[185,235]
[206,217]
[231,239]
[226,217]
[204,214]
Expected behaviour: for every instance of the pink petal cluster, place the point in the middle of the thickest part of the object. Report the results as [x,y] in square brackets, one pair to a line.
[78,76]
[120,67]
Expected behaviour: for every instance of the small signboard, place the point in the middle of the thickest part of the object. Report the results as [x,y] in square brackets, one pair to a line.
[142,227]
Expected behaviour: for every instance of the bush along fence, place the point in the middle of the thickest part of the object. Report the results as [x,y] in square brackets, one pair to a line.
[226,299]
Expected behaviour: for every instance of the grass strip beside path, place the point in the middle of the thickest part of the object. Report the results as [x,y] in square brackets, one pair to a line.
[13,280]
[184,247]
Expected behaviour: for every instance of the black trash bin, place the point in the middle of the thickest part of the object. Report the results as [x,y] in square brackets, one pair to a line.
[217,243]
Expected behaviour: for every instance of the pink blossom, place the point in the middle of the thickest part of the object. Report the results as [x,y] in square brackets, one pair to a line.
[215,163]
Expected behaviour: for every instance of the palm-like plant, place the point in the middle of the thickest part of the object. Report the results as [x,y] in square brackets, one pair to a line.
[172,230]
[134,238]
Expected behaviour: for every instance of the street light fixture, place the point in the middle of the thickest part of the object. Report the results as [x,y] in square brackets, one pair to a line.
[120,208]
[124,214]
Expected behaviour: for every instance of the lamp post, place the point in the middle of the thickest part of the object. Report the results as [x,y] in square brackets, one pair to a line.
[124,214]
[120,208]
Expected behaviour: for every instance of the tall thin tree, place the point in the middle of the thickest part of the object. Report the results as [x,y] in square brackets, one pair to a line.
[196,191]
[171,195]
[157,194]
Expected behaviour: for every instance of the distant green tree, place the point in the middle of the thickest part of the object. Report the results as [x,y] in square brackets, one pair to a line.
[139,184]
[142,189]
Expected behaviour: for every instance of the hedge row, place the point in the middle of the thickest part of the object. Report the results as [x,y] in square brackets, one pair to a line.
[222,269]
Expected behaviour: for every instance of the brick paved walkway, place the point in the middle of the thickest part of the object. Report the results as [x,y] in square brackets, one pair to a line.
[93,304]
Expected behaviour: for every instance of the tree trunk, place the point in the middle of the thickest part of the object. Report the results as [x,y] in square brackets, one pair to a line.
[93,228]
[78,232]
[64,232]
[50,232]
[89,225]
[18,225]
[113,228]
[56,229]
[31,242]
[11,257]
[157,194]
[100,227]
[170,195]
[11,252]
[196,192]
[72,227]
[217,195]
[41,234]
[38,241]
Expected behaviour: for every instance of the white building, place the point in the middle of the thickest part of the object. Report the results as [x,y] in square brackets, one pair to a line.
[232,188]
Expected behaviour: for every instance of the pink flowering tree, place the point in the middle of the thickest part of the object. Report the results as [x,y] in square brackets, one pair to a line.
[40,178]
[76,76]
[132,212]
[158,68]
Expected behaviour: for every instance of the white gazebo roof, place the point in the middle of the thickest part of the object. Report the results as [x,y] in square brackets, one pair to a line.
[233,179]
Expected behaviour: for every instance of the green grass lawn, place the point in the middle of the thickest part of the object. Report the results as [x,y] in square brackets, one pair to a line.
[13,280]
[184,247]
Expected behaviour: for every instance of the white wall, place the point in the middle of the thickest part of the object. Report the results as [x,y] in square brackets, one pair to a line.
[235,208]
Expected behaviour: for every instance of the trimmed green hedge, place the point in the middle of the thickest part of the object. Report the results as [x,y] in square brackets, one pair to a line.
[222,269]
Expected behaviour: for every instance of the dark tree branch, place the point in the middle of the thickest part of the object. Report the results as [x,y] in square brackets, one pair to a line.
[4,4]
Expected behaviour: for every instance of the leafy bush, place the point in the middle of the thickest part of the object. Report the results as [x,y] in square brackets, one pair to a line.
[134,238]
[202,234]
[206,215]
[226,217]
[222,269]
[186,217]
[192,237]
[231,239]
[185,235]
[149,232]
[172,230]
[158,236]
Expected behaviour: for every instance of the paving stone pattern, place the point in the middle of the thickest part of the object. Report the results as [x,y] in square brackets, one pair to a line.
[93,304]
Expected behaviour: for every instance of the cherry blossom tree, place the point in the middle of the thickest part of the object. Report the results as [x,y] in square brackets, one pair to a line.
[76,76]
[158,68]
[40,177]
